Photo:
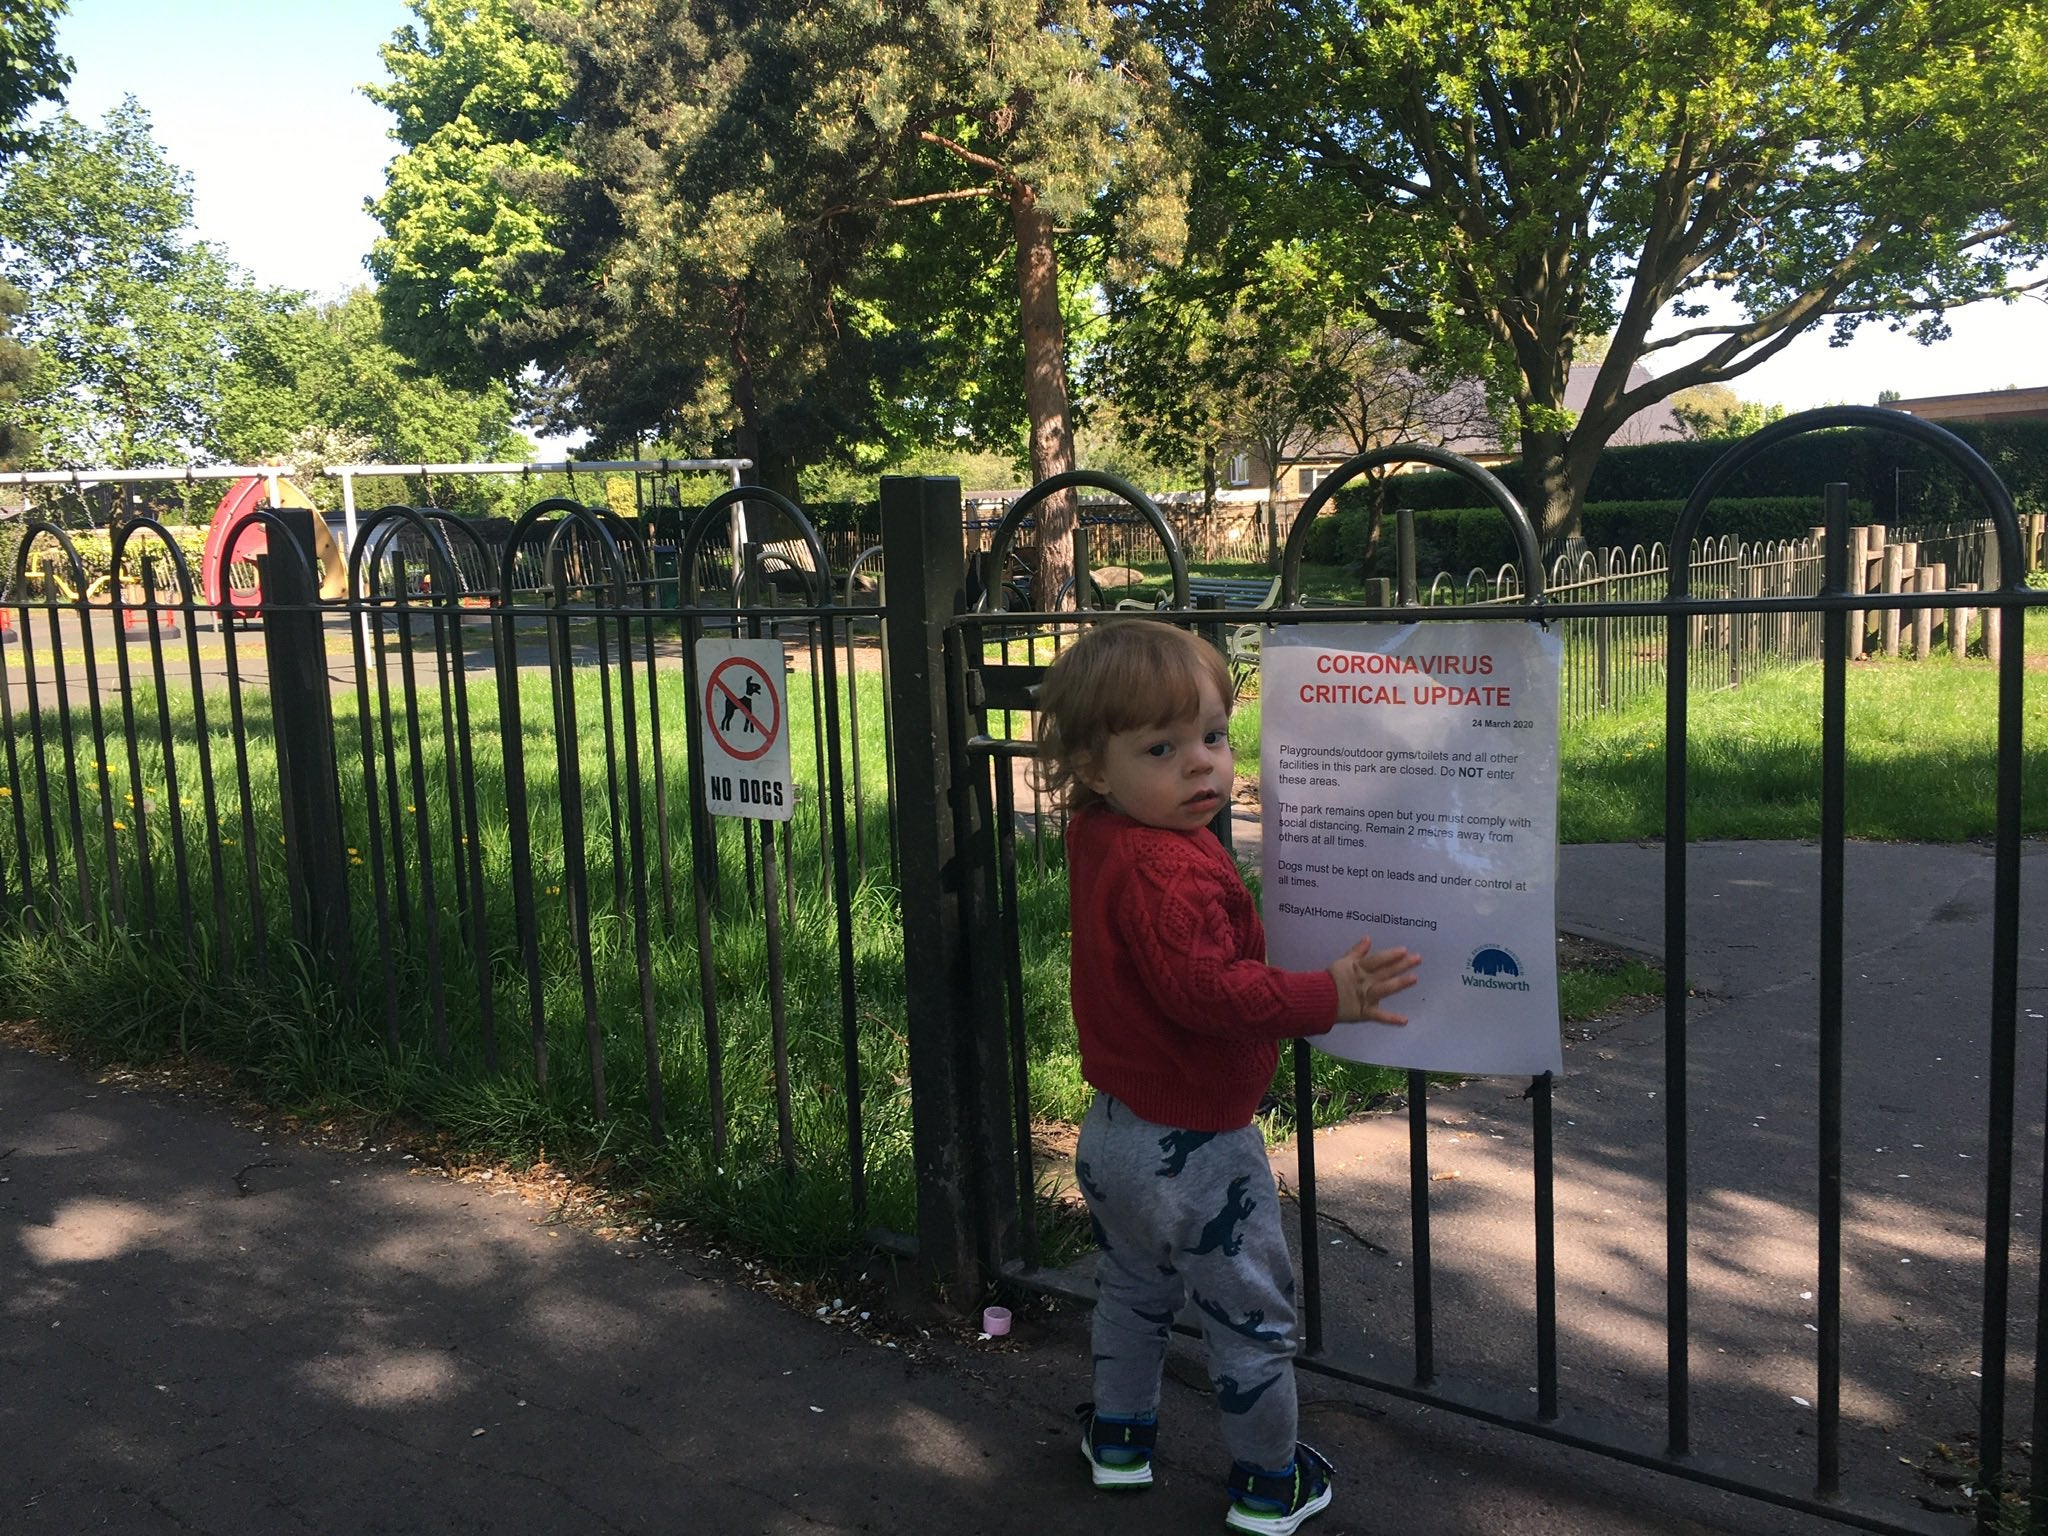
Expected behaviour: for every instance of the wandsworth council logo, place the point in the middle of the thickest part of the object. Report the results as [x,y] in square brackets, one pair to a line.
[1494,968]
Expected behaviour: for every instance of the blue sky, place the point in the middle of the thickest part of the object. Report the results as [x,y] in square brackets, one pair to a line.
[258,100]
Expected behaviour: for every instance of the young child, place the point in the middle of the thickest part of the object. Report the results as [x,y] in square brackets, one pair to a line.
[1180,1020]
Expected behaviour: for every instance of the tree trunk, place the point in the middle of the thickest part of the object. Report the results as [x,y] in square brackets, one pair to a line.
[1552,500]
[1208,481]
[1045,390]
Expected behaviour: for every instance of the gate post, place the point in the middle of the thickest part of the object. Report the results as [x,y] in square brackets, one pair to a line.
[959,1071]
[295,652]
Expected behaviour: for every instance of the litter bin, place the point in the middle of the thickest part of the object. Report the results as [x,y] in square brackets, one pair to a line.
[668,586]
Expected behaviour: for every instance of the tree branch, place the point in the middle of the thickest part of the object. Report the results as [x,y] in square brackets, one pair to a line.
[961,152]
[1757,329]
[878,204]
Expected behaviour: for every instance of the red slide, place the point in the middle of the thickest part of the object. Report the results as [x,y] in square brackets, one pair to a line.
[232,582]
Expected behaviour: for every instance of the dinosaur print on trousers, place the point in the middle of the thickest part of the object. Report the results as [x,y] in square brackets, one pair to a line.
[1174,1148]
[1219,1234]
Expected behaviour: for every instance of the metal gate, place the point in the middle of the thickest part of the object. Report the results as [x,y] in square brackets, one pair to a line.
[981,1212]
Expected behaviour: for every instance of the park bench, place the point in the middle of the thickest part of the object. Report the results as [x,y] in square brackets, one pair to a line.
[1238,594]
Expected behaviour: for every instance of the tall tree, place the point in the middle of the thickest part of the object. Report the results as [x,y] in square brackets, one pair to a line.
[1162,363]
[17,372]
[778,220]
[478,97]
[1709,411]
[312,379]
[1052,112]
[1704,182]
[31,72]
[580,195]
[132,326]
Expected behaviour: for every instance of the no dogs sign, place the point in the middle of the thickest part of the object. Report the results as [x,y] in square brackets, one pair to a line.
[746,730]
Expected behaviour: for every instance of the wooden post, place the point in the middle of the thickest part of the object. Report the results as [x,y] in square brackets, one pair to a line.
[1959,622]
[1859,544]
[1888,623]
[1923,618]
[1603,659]
[961,1139]
[309,785]
[1732,632]
[1786,621]
[1994,578]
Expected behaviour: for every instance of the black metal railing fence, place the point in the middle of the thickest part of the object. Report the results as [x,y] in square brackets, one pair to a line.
[462,801]
[1617,1402]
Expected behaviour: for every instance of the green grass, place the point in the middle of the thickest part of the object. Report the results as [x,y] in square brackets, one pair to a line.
[320,1049]
[1594,988]
[1920,757]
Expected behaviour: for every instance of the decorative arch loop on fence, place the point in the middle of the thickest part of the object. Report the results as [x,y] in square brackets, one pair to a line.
[156,533]
[376,532]
[34,529]
[1530,553]
[597,523]
[152,605]
[701,525]
[1834,602]
[1006,530]
[1975,469]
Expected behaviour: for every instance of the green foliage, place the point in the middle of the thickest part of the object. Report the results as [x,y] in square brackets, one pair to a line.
[17,372]
[96,556]
[788,233]
[1347,530]
[305,1044]
[1897,479]
[1751,519]
[316,385]
[478,98]
[1713,413]
[32,71]
[1921,763]
[1461,539]
[151,349]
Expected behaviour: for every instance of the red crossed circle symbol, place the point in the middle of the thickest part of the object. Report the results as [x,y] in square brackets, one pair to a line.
[730,707]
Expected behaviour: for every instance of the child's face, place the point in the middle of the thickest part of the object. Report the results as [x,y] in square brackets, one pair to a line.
[1176,775]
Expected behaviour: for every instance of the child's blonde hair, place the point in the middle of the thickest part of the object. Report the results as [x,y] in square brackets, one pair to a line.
[1122,675]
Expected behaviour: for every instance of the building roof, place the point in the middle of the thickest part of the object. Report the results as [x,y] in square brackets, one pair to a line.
[1983,405]
[1461,407]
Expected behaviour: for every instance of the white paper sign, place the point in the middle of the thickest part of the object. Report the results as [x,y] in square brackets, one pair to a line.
[1408,774]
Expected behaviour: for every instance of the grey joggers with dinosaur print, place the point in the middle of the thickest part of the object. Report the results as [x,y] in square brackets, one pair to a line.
[1190,1213]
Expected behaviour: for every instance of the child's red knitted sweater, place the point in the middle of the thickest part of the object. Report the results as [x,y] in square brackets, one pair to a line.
[1179,1014]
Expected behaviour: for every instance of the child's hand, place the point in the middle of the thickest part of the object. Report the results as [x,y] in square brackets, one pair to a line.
[1367,977]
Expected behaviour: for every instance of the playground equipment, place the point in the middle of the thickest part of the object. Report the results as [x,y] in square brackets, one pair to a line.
[227,576]
[649,477]
[218,564]
[45,577]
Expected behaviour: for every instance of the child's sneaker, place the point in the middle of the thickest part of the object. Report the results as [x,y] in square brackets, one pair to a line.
[1276,1503]
[1119,1449]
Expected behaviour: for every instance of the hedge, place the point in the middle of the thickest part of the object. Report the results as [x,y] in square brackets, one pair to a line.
[96,553]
